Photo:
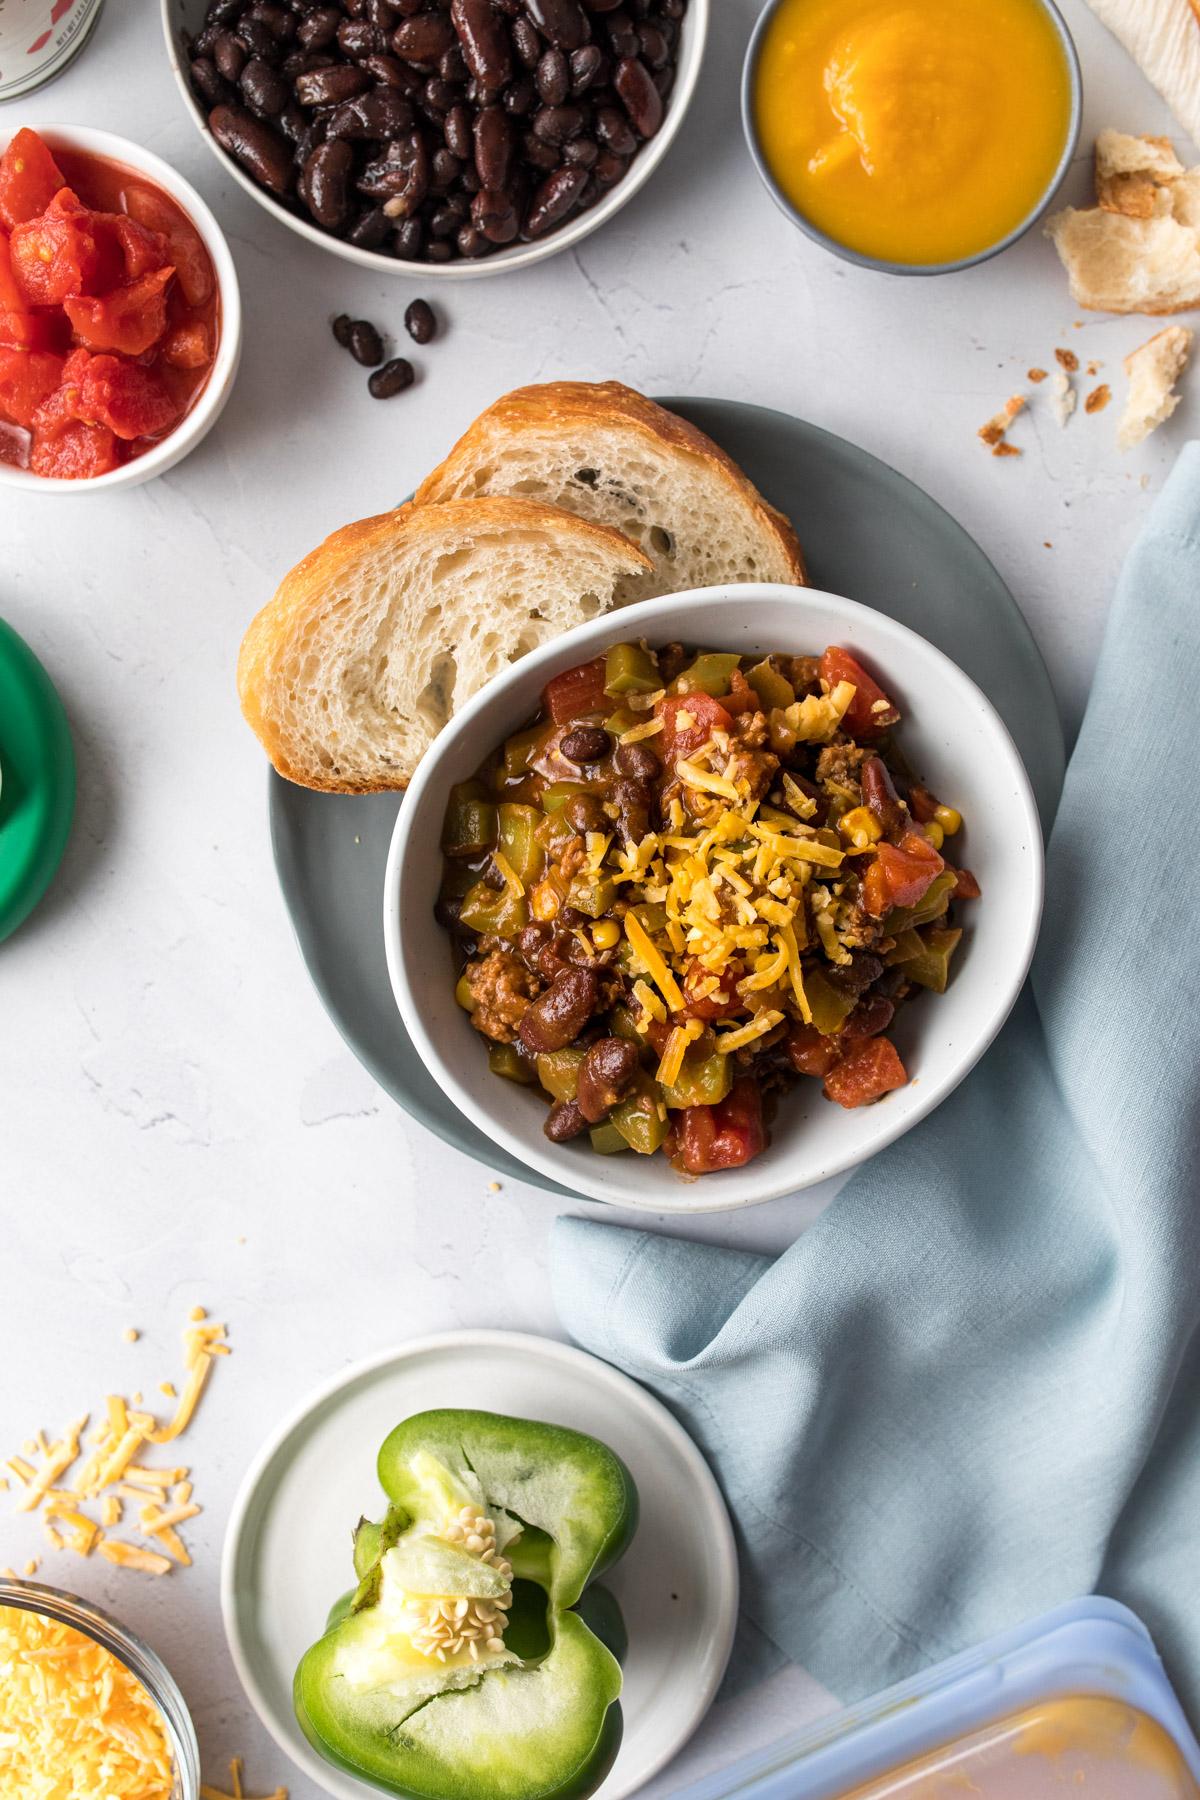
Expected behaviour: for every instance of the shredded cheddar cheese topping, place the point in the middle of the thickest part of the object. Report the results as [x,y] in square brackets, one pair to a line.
[75,1724]
[63,1479]
[724,898]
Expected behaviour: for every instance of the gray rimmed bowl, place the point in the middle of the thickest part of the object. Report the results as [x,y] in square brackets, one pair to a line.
[883,264]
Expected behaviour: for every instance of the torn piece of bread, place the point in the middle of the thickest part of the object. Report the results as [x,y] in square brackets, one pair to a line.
[606,453]
[1153,369]
[383,631]
[1163,38]
[1063,397]
[1133,174]
[1139,250]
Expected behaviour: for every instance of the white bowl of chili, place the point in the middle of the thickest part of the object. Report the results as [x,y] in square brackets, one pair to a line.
[183,377]
[954,745]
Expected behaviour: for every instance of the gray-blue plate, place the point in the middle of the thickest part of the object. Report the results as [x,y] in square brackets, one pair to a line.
[867,533]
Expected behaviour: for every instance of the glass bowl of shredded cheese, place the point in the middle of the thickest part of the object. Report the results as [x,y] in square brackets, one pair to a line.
[86,1708]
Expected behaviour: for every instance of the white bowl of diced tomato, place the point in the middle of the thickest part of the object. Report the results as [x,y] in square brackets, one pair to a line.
[855,1090]
[120,317]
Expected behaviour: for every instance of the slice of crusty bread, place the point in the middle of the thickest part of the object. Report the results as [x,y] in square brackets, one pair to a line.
[607,453]
[1139,250]
[1133,174]
[383,631]
[1153,369]
[1163,37]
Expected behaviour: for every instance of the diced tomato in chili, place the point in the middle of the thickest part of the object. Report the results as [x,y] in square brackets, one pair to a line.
[27,380]
[658,1035]
[865,717]
[870,1069]
[900,874]
[576,693]
[689,720]
[62,252]
[921,803]
[721,1001]
[741,697]
[811,1052]
[723,1136]
[67,446]
[129,319]
[966,887]
[187,347]
[29,178]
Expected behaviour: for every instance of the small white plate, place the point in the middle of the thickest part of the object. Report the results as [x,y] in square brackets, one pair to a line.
[287,1552]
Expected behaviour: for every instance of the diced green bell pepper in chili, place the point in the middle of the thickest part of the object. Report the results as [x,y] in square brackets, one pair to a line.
[640,1118]
[458,878]
[592,894]
[558,1072]
[534,1716]
[651,915]
[908,944]
[556,794]
[630,669]
[772,688]
[607,1140]
[518,839]
[521,749]
[710,674]
[623,720]
[554,833]
[469,827]
[504,1060]
[495,910]
[831,1006]
[932,968]
[931,906]
[464,994]
[701,1083]
[624,1024]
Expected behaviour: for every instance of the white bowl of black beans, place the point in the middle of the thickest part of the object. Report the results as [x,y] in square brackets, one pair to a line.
[950,737]
[459,137]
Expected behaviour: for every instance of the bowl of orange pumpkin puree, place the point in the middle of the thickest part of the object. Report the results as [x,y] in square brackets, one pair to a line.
[912,136]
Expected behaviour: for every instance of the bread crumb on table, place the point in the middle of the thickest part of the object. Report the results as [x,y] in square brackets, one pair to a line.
[993,432]
[1065,398]
[1036,375]
[131,1334]
[1098,399]
[1068,360]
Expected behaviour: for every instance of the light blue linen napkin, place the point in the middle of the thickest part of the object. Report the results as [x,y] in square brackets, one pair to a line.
[972,1389]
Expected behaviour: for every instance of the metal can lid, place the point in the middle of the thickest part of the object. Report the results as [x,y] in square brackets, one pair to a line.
[37,780]
[38,38]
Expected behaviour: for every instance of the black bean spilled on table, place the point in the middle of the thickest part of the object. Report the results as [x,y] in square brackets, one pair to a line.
[393,378]
[341,329]
[420,322]
[365,343]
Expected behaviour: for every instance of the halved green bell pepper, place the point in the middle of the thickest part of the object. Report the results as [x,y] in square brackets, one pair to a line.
[495,1527]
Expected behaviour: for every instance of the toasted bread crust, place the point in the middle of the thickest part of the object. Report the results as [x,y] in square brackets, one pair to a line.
[603,403]
[301,598]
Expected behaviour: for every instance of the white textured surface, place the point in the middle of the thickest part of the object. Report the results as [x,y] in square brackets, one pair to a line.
[181,1122]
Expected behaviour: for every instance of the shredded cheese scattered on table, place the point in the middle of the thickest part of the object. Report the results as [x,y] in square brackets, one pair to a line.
[108,1472]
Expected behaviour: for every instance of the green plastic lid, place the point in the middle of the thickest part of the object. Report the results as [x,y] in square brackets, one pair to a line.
[37,781]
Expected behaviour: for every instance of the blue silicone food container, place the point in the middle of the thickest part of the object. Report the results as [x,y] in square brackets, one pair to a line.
[1090,1650]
